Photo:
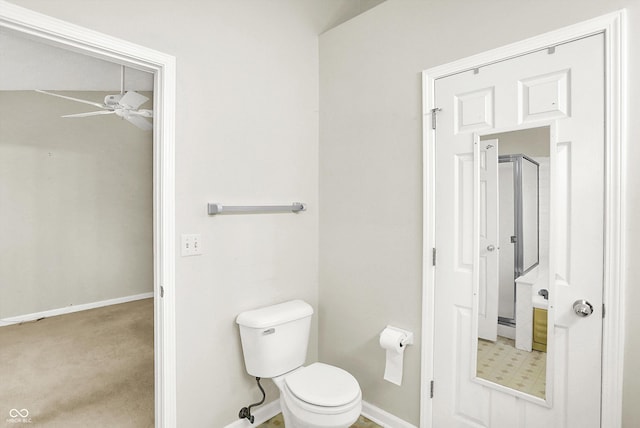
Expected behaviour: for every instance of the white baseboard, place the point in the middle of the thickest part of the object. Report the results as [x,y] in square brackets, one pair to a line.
[261,414]
[70,309]
[383,418]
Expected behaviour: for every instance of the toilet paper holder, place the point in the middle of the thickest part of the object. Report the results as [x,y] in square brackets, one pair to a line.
[408,335]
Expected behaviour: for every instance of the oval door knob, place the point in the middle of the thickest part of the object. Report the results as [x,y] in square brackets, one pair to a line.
[491,247]
[582,308]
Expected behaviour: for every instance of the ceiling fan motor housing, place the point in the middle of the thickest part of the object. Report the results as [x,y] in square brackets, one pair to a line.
[112,100]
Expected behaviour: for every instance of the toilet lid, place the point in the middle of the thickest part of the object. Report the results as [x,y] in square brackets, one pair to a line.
[323,385]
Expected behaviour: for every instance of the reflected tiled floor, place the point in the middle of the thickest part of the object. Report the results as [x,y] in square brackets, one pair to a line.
[502,363]
[276,421]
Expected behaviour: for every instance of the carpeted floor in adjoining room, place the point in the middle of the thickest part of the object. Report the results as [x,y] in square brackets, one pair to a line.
[91,368]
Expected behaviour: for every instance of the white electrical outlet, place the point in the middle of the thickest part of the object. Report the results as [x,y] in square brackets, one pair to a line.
[191,245]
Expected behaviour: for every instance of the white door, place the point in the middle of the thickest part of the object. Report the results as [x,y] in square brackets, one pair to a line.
[488,239]
[566,87]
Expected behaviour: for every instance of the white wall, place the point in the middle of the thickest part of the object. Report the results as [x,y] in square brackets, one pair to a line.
[247,133]
[544,201]
[370,171]
[76,213]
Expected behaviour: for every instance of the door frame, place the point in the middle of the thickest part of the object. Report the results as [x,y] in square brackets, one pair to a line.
[72,37]
[612,25]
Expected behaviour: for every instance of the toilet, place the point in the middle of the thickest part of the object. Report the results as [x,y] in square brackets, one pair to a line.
[274,344]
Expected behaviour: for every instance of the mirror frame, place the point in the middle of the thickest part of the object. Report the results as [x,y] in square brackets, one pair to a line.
[548,400]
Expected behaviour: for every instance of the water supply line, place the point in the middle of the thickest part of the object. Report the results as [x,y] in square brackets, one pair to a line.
[245,412]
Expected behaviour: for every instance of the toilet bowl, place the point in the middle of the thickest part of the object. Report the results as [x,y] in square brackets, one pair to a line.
[319,396]
[274,343]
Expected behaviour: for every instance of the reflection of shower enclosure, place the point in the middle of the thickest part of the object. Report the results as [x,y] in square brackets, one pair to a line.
[518,205]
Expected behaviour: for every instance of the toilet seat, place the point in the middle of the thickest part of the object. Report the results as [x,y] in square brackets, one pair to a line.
[316,384]
[323,385]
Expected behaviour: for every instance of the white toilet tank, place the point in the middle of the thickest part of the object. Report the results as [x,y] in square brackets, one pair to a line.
[275,338]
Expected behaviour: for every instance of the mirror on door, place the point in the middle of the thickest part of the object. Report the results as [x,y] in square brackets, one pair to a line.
[512,296]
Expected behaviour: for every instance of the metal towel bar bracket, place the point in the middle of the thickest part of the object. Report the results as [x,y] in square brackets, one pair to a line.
[215,208]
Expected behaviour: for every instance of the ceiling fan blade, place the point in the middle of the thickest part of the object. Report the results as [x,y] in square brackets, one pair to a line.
[72,99]
[91,113]
[141,112]
[132,100]
[140,122]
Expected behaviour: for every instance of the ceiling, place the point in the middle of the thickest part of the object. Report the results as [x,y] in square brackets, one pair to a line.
[26,64]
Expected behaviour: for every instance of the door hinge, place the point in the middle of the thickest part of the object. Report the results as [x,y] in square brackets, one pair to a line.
[434,113]
[431,390]
[161,291]
[603,310]
[433,257]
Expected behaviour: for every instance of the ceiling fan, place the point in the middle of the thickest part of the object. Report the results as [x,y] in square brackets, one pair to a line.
[125,105]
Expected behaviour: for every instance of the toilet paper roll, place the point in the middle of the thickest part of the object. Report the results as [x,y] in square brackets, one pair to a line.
[390,341]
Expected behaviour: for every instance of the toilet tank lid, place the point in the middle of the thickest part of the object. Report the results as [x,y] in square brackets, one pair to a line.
[275,314]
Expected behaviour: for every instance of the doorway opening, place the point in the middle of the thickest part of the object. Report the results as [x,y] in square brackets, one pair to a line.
[87,42]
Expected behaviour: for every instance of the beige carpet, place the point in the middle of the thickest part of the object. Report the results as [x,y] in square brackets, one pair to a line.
[87,369]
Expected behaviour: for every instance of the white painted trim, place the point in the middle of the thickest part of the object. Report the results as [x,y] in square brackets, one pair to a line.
[428,246]
[261,414]
[88,42]
[613,26]
[383,418]
[615,212]
[71,309]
